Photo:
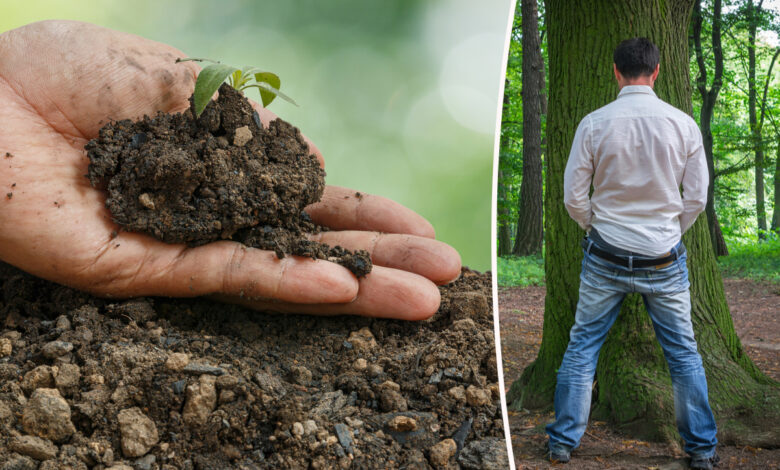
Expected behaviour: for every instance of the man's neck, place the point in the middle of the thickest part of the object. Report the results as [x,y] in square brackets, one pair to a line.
[640,81]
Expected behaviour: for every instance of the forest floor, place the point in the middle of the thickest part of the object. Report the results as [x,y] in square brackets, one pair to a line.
[754,307]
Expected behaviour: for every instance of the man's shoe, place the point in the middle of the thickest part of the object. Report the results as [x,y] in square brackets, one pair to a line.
[558,453]
[705,463]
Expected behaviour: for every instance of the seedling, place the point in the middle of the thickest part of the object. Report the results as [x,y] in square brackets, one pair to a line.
[214,74]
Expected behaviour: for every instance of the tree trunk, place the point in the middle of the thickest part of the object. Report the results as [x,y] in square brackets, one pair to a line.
[504,231]
[528,238]
[504,240]
[708,99]
[755,128]
[633,386]
[776,213]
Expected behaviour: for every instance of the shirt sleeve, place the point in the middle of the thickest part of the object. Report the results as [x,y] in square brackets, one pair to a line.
[694,182]
[578,175]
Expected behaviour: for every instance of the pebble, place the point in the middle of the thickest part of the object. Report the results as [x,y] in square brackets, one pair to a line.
[146,200]
[67,378]
[35,447]
[47,415]
[227,396]
[201,401]
[19,462]
[242,136]
[301,375]
[477,396]
[40,377]
[344,436]
[392,400]
[146,462]
[457,393]
[375,370]
[6,347]
[297,429]
[62,323]
[120,466]
[489,452]
[402,423]
[467,325]
[227,381]
[441,453]
[194,368]
[177,361]
[139,433]
[362,339]
[309,427]
[360,364]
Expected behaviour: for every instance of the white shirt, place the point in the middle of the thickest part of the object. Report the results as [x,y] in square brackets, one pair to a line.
[637,150]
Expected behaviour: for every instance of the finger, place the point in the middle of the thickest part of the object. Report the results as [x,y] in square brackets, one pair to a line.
[218,268]
[432,259]
[100,75]
[346,209]
[384,293]
[267,116]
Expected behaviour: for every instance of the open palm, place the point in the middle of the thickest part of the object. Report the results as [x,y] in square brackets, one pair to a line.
[60,81]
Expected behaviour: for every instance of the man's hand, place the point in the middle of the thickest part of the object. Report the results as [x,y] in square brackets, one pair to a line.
[60,81]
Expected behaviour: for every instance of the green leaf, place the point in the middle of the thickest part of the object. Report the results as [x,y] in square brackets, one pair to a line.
[208,82]
[272,80]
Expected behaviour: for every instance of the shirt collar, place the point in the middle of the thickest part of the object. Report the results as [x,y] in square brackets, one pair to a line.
[632,89]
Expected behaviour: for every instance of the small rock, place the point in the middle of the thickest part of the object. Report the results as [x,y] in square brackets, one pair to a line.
[441,453]
[47,415]
[67,378]
[242,136]
[374,370]
[362,340]
[139,434]
[457,393]
[35,447]
[226,396]
[402,423]
[309,427]
[467,325]
[301,375]
[95,379]
[19,462]
[477,396]
[146,200]
[62,323]
[194,368]
[120,466]
[360,364]
[392,400]
[389,384]
[146,462]
[177,361]
[140,310]
[5,412]
[201,401]
[489,452]
[227,382]
[344,436]
[6,347]
[297,429]
[40,377]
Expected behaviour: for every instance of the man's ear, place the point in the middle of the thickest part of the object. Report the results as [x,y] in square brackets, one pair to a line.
[615,70]
[655,72]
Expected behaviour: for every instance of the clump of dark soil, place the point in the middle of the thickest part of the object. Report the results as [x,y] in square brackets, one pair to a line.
[88,383]
[222,176]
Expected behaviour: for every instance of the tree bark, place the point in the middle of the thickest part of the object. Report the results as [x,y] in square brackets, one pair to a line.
[504,237]
[633,387]
[708,99]
[528,238]
[776,214]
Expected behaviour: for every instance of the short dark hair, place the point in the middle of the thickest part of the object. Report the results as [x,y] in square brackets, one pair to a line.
[636,57]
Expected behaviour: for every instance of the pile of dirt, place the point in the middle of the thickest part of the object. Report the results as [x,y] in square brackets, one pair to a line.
[194,384]
[222,176]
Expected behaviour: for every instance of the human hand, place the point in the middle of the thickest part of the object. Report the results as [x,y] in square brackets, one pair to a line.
[60,81]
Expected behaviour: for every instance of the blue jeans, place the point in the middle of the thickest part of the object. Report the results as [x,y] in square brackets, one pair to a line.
[603,285]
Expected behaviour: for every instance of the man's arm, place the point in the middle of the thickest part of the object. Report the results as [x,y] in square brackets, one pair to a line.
[578,175]
[694,182]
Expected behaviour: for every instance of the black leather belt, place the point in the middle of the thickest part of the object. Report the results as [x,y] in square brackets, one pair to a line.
[626,262]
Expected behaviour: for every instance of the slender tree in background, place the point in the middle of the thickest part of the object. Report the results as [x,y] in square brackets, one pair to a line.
[528,238]
[776,215]
[504,235]
[708,99]
[753,16]
[773,225]
[633,387]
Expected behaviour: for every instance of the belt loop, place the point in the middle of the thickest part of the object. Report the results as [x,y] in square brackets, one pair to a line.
[631,263]
[590,244]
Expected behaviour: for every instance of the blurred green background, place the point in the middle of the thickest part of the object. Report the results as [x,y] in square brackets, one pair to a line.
[400,96]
